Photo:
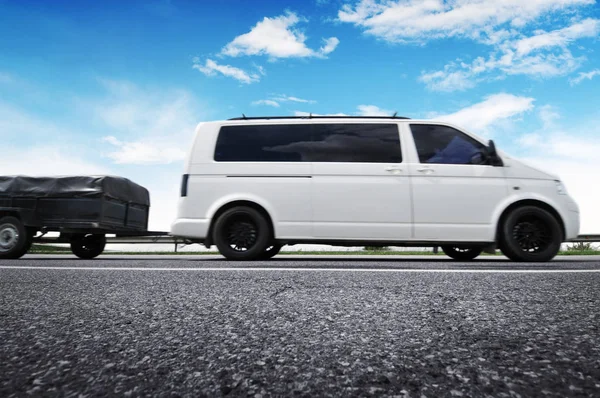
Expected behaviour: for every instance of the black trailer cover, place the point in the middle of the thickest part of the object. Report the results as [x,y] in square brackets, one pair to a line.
[74,187]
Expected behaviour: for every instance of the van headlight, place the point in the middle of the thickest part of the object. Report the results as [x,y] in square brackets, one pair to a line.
[560,188]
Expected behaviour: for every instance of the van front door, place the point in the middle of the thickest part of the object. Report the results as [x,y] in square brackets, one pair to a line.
[455,189]
[360,183]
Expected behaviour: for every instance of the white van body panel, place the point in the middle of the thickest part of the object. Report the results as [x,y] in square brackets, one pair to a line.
[357,200]
[453,202]
[406,202]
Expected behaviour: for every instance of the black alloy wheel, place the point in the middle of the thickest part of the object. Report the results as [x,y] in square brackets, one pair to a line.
[530,233]
[242,234]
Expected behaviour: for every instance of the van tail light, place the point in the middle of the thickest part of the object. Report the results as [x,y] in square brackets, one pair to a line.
[184,184]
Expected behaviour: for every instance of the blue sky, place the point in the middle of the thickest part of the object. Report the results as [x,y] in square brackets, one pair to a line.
[117,87]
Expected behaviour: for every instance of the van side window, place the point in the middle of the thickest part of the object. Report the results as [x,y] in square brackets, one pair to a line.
[268,143]
[446,145]
[360,142]
[369,143]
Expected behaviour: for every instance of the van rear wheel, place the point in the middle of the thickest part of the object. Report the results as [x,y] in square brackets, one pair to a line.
[270,252]
[242,234]
[530,233]
[461,253]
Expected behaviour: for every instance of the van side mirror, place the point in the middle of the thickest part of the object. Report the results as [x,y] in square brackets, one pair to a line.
[495,160]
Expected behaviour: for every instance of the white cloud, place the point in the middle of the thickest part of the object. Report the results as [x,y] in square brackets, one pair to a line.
[278,38]
[505,25]
[422,20]
[17,124]
[560,37]
[449,80]
[276,99]
[266,102]
[543,55]
[548,115]
[583,76]
[372,110]
[146,126]
[261,70]
[144,152]
[362,110]
[542,65]
[211,68]
[529,140]
[329,46]
[49,160]
[287,98]
[479,117]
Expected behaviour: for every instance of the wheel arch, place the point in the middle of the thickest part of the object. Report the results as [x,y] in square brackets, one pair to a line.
[9,213]
[209,241]
[530,202]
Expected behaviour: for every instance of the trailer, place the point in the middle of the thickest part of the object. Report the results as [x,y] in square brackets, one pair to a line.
[82,209]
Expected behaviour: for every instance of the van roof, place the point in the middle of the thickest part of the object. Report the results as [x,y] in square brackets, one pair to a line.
[310,116]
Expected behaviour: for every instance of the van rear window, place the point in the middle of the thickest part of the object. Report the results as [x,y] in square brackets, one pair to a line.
[358,142]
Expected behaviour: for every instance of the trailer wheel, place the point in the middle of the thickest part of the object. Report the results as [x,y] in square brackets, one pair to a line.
[14,238]
[88,246]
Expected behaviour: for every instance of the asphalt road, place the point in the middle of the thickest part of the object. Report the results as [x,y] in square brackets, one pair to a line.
[202,326]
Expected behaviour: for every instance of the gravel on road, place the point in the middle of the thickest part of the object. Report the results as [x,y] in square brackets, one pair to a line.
[125,332]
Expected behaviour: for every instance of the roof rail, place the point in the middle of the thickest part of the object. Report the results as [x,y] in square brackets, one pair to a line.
[244,117]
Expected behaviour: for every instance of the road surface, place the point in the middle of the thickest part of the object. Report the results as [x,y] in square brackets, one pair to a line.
[299,326]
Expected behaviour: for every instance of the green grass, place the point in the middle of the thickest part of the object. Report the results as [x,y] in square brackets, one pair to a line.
[580,253]
[48,249]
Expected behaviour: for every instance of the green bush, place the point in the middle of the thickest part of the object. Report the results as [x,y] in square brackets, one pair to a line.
[581,247]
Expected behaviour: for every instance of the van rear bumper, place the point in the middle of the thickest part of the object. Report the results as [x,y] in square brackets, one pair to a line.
[194,228]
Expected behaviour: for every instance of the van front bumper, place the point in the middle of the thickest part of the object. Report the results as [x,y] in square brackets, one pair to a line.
[192,228]
[572,224]
[571,217]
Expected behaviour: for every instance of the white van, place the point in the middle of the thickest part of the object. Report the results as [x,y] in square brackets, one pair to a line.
[252,185]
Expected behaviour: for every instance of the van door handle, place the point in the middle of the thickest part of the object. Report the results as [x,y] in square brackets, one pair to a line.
[426,170]
[392,169]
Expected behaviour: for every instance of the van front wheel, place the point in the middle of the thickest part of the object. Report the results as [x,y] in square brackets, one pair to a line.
[242,234]
[530,233]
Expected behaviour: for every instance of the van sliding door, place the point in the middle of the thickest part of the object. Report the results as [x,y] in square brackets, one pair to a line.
[360,183]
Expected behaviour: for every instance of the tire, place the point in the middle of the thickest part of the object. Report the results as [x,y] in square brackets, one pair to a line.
[462,253]
[14,238]
[88,246]
[270,252]
[242,234]
[530,233]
